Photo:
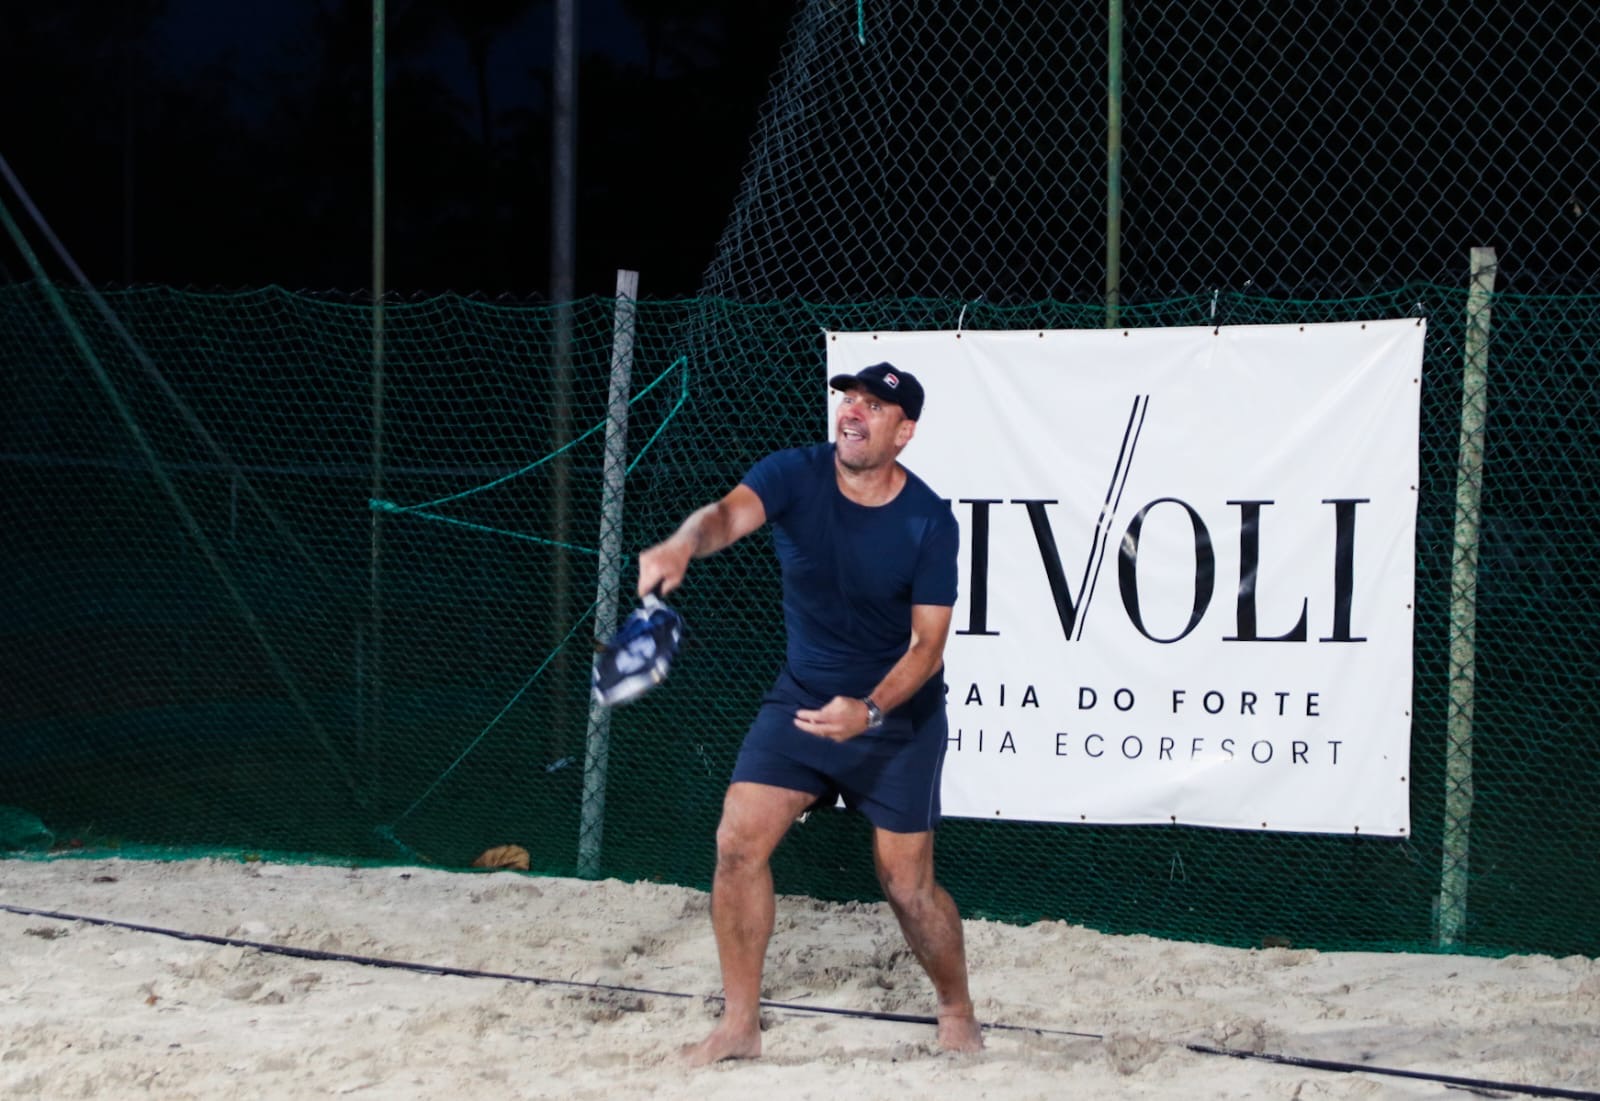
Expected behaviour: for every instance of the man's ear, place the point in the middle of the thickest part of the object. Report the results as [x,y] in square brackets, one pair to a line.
[903,433]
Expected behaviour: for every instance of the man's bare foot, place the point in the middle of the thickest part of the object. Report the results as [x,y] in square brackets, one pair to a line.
[725,1042]
[959,1032]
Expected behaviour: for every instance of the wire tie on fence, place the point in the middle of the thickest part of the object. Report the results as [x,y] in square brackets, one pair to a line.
[962,316]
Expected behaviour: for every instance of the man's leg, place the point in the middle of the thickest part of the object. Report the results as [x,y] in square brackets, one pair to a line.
[932,927]
[754,819]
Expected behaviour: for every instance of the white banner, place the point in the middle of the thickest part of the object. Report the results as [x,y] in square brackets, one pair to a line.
[1186,569]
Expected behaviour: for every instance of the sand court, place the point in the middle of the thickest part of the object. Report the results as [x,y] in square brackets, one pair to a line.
[530,987]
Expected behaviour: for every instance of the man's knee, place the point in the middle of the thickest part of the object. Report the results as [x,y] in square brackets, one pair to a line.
[736,848]
[908,889]
[754,819]
[743,842]
[904,863]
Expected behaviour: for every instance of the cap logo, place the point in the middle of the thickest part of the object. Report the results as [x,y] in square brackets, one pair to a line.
[891,380]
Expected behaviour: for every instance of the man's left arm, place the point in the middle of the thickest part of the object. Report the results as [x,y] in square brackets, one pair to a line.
[843,717]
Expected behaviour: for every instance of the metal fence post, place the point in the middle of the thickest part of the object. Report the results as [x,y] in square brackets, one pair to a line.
[598,742]
[1464,602]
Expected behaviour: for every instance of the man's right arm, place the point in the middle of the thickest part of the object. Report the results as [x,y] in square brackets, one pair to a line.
[706,531]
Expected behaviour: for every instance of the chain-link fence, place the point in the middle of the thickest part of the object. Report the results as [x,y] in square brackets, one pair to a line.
[1007,152]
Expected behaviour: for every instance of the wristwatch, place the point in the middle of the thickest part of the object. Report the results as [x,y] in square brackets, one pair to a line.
[874,713]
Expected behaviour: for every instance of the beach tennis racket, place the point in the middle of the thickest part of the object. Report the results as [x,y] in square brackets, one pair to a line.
[639,655]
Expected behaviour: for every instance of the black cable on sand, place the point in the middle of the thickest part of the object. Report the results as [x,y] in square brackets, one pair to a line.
[794,1007]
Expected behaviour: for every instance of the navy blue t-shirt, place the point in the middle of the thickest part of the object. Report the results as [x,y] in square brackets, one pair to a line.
[852,572]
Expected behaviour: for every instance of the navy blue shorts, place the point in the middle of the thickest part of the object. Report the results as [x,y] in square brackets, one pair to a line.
[890,774]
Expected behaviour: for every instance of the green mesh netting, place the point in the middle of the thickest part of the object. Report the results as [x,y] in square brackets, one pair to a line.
[266,588]
[299,672]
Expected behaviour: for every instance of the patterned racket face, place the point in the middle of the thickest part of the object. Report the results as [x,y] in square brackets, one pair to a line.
[639,656]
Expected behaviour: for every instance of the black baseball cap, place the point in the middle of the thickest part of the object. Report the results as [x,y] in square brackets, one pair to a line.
[888,383]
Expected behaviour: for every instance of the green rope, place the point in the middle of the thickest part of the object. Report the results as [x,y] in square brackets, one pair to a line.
[390,506]
[387,832]
[406,850]
[378,505]
[465,753]
[683,397]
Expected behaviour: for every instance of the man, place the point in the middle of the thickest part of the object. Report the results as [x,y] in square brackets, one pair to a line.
[869,581]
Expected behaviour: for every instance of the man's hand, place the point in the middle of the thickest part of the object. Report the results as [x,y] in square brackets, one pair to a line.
[839,720]
[664,565]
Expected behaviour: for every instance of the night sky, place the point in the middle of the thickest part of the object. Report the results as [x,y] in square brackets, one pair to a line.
[249,33]
[226,144]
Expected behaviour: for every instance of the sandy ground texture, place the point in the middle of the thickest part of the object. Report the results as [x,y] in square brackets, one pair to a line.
[629,975]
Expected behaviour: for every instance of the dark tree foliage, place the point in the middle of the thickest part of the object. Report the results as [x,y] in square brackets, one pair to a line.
[237,175]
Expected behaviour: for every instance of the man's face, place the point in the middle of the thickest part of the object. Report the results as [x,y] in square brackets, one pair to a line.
[869,432]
